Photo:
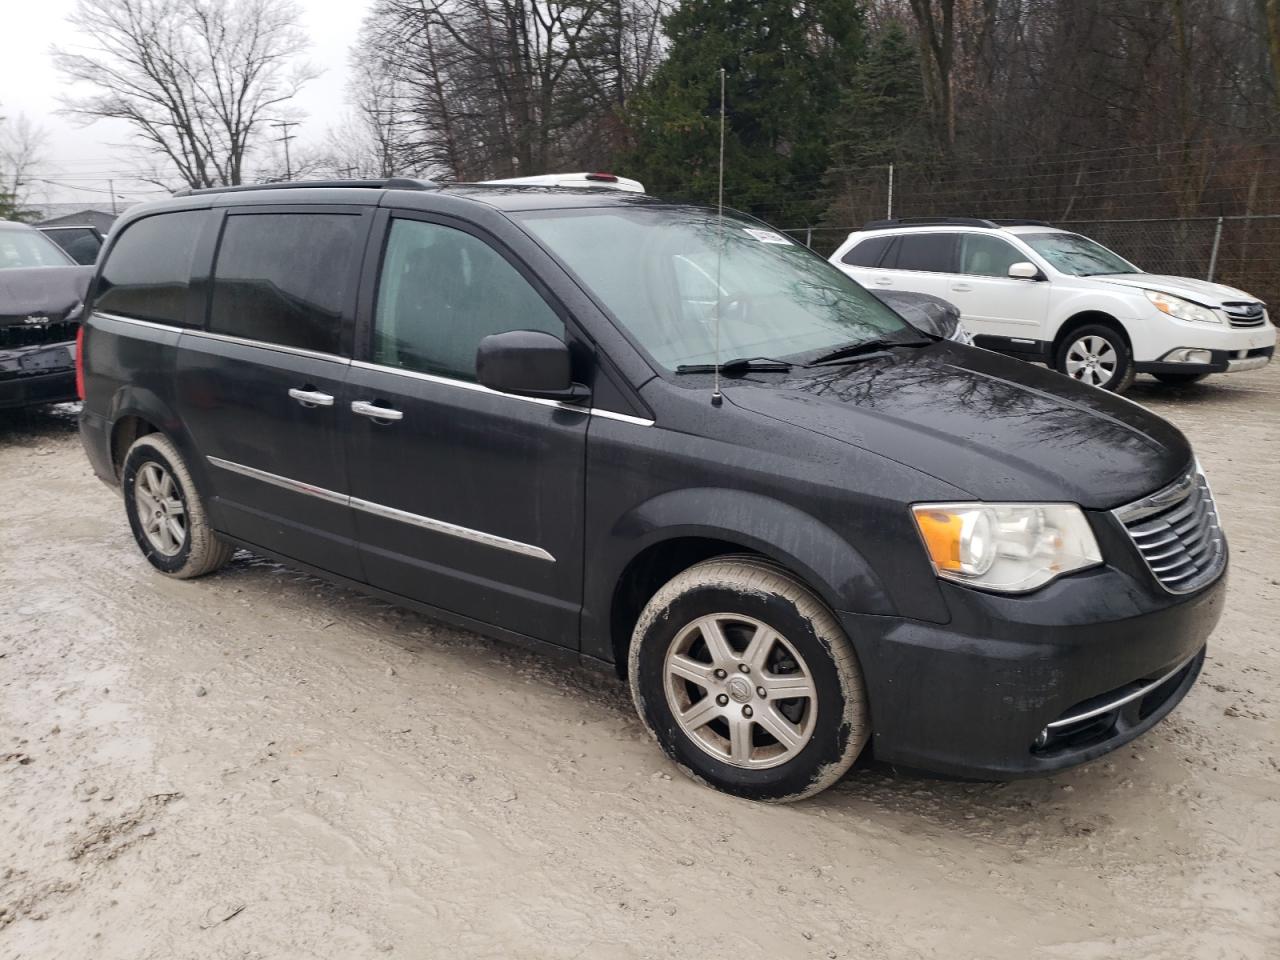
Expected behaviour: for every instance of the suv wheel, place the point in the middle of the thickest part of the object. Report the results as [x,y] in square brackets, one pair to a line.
[1097,355]
[748,683]
[166,513]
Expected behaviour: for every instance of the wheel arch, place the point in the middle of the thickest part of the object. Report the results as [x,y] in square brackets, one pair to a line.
[674,531]
[1083,318]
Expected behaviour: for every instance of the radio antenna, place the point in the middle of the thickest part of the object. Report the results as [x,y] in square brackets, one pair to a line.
[716,397]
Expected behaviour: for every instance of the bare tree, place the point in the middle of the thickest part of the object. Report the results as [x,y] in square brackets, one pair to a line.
[21,151]
[197,79]
[471,89]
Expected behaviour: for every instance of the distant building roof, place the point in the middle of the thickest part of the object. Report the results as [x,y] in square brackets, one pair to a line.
[75,214]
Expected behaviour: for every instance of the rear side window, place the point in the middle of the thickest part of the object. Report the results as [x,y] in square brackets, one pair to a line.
[868,252]
[933,252]
[442,291]
[986,256]
[286,278]
[149,266]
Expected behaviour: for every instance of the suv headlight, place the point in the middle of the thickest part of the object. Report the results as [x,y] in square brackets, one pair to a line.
[1181,309]
[1009,547]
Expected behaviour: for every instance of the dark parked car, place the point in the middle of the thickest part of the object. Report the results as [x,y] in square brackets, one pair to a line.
[81,242]
[41,294]
[500,405]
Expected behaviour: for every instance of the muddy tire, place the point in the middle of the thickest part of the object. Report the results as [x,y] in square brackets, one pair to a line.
[165,511]
[747,681]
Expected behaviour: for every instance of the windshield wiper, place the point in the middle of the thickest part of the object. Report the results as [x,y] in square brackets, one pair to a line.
[864,349]
[737,365]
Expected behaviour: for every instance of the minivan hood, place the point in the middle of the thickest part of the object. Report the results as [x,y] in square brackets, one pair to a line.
[1199,291]
[997,428]
[48,292]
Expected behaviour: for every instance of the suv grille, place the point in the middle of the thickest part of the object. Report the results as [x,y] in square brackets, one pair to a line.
[1245,313]
[1176,530]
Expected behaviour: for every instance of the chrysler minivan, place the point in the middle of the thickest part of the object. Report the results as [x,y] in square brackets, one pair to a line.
[680,444]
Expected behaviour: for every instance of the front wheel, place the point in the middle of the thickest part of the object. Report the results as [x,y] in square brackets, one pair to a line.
[166,513]
[748,682]
[1097,355]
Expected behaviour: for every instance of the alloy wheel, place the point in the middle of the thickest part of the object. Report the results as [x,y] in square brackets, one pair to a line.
[740,691]
[1092,360]
[162,514]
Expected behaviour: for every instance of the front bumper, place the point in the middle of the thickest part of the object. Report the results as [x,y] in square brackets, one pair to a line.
[1223,361]
[975,697]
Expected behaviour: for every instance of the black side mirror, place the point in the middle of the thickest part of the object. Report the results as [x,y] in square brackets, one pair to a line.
[527,362]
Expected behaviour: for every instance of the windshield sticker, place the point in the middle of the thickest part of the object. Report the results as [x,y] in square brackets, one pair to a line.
[767,236]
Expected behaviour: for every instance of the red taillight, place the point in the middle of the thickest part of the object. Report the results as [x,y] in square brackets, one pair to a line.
[602,177]
[80,361]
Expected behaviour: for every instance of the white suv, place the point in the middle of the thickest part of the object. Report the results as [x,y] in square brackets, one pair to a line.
[1056,297]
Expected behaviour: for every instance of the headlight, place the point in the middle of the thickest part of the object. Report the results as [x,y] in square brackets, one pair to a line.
[1182,309]
[1010,547]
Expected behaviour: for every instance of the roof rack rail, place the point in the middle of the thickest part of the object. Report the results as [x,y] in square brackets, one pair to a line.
[393,183]
[930,222]
[1022,223]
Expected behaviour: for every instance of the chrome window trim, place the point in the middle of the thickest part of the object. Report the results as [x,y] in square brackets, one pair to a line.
[480,388]
[1118,702]
[267,345]
[155,325]
[390,513]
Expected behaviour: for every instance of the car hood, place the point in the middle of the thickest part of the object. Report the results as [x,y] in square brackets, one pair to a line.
[1199,291]
[45,293]
[997,428]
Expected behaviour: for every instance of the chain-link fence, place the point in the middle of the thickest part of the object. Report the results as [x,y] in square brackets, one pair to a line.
[1240,251]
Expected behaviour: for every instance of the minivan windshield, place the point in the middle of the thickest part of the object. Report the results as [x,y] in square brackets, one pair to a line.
[27,247]
[655,269]
[1078,256]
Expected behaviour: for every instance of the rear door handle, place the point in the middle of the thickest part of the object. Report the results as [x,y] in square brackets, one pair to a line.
[311,398]
[961,287]
[375,412]
[882,281]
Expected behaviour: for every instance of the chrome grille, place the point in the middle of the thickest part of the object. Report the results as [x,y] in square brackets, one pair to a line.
[1245,313]
[1177,532]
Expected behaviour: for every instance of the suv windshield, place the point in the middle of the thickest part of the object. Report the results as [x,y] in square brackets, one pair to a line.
[1076,255]
[655,269]
[21,247]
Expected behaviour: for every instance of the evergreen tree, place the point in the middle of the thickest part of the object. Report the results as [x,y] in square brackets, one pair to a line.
[784,62]
[882,117]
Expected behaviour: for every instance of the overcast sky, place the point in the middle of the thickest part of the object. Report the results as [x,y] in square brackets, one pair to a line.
[81,159]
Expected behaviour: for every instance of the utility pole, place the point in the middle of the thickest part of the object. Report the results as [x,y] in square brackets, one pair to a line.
[111,188]
[285,137]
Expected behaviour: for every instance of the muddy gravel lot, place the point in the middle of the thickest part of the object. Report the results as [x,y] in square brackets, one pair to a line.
[258,764]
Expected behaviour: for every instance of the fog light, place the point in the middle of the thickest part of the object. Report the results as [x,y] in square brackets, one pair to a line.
[1041,739]
[1188,355]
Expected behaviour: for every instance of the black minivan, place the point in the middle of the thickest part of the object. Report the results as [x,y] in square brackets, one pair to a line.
[500,405]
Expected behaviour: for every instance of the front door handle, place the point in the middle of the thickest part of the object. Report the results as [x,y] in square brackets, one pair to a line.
[961,287]
[882,282]
[375,412]
[311,398]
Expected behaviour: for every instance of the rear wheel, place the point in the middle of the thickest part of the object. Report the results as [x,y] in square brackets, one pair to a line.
[1098,355]
[166,513]
[747,681]
[1179,379]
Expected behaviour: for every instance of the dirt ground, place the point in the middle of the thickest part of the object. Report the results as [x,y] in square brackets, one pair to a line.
[259,765]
